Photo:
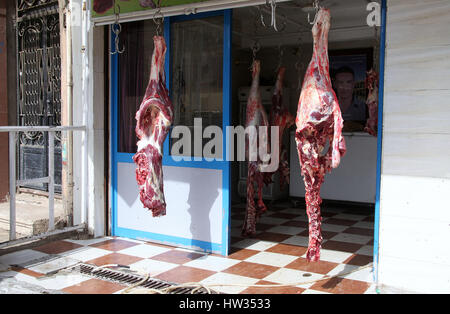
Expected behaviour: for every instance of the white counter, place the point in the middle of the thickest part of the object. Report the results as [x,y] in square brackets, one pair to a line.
[355,178]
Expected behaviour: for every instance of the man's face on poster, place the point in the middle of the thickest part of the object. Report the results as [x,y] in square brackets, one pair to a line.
[344,82]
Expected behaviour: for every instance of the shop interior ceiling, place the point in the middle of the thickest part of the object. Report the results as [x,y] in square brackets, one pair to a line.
[348,23]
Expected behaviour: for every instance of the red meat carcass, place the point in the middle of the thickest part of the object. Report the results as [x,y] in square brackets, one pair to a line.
[255,117]
[372,102]
[281,117]
[318,121]
[101,6]
[154,118]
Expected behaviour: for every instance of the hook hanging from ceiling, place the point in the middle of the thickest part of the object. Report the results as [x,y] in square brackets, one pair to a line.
[158,18]
[280,57]
[316,8]
[273,21]
[256,47]
[261,16]
[116,28]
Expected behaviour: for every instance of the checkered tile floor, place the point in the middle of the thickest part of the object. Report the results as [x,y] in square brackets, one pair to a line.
[276,255]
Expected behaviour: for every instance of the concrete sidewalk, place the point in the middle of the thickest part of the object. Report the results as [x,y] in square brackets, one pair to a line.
[31,215]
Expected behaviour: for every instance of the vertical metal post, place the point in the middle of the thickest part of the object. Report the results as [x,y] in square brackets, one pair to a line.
[51,181]
[12,185]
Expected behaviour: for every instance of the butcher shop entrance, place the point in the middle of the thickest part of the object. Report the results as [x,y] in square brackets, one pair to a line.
[209,71]
[281,40]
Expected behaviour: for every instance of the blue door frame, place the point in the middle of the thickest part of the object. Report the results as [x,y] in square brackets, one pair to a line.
[376,227]
[167,160]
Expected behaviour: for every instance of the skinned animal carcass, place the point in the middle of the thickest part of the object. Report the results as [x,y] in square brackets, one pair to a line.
[154,118]
[372,102]
[255,117]
[318,122]
[283,119]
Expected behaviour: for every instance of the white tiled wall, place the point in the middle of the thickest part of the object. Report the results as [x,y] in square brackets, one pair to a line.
[414,250]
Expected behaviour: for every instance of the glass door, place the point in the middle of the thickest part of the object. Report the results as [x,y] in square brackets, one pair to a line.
[196,172]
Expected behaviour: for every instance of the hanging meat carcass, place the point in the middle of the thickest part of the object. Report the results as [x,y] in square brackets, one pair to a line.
[281,117]
[318,121]
[255,117]
[154,118]
[101,6]
[372,102]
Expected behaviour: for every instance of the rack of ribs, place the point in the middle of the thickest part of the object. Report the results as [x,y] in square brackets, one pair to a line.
[318,122]
[154,118]
[255,117]
[372,102]
[281,117]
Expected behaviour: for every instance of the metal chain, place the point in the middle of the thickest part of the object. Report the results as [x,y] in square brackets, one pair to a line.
[116,28]
[256,47]
[158,20]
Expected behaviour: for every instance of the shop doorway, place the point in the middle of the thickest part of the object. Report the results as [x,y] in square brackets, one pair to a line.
[350,203]
[348,215]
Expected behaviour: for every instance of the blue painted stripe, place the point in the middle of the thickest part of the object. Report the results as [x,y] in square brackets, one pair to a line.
[169,240]
[124,157]
[379,140]
[226,173]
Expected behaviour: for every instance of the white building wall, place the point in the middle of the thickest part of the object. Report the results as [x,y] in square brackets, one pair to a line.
[89,93]
[414,249]
[77,107]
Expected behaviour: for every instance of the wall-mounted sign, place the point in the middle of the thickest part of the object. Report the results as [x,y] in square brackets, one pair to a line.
[106,7]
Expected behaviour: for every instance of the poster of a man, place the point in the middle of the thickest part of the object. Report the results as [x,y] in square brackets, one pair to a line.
[352,107]
[348,72]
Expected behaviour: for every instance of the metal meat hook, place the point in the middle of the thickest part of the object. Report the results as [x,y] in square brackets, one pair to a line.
[280,58]
[158,18]
[316,7]
[116,28]
[273,21]
[256,47]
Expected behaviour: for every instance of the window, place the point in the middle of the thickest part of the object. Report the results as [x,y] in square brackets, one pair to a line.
[134,72]
[196,75]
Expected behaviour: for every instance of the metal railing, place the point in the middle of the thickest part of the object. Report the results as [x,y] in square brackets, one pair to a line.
[13,182]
